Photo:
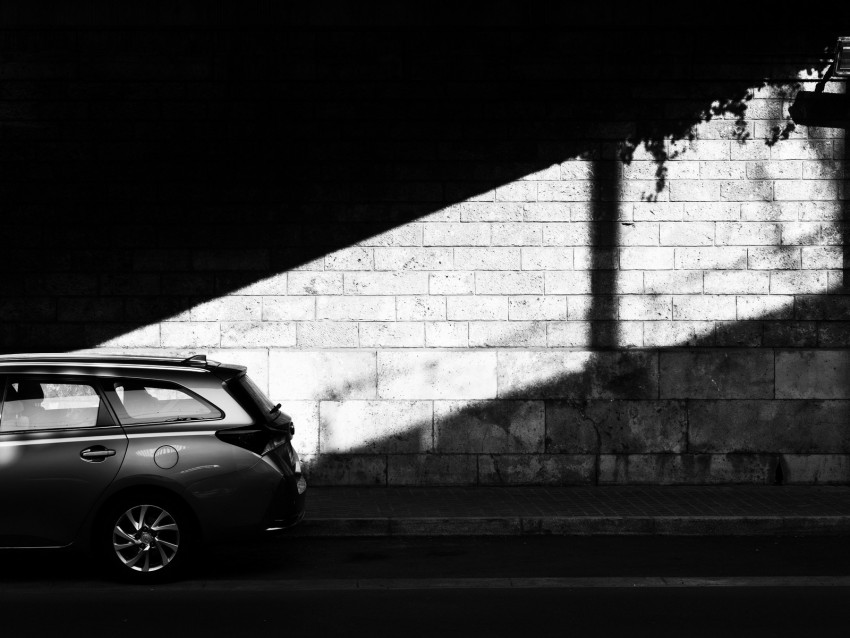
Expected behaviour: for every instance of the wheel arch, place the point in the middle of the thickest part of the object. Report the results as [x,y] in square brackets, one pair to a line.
[141,491]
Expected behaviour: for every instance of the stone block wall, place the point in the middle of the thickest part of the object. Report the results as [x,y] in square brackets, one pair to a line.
[476,252]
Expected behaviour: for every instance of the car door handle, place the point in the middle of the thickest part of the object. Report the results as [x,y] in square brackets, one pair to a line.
[96,454]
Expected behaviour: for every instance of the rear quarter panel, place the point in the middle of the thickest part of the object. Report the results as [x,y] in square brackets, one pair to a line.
[228,488]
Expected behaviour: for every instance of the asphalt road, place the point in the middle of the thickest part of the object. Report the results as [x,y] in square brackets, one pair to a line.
[546,586]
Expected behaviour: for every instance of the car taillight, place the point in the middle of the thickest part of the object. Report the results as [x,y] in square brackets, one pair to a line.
[254,439]
[258,440]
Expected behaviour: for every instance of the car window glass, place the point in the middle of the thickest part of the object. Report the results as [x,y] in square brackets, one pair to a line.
[146,402]
[36,405]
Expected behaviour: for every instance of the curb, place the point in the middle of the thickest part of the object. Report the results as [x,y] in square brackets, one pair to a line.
[576,526]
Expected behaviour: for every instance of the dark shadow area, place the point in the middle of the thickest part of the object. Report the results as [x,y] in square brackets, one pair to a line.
[154,159]
[459,557]
[604,264]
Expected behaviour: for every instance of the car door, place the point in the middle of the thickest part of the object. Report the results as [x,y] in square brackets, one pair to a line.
[59,451]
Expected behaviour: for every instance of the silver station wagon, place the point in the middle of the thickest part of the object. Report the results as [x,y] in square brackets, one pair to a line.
[141,459]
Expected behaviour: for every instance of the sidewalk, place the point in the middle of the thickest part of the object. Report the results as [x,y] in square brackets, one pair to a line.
[626,510]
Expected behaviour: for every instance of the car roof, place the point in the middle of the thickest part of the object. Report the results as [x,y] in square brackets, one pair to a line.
[195,363]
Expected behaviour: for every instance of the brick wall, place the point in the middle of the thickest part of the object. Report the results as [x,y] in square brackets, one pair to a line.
[456,256]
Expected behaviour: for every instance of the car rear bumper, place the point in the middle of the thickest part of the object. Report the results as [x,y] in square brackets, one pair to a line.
[289,504]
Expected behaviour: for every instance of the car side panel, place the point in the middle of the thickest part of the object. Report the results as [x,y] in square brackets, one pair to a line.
[228,488]
[46,488]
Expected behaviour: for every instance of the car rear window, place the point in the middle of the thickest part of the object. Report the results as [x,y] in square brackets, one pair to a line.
[38,405]
[155,402]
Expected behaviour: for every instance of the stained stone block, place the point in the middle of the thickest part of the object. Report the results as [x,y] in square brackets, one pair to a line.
[489,426]
[769,426]
[615,426]
[536,469]
[813,374]
[810,469]
[717,374]
[432,469]
[686,469]
[345,469]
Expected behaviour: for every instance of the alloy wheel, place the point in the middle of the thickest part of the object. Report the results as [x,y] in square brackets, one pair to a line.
[146,538]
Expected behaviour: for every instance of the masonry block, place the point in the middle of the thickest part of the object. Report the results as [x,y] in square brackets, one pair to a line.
[420,308]
[392,334]
[289,308]
[436,375]
[791,334]
[680,282]
[536,469]
[568,283]
[460,283]
[774,258]
[507,334]
[816,469]
[686,469]
[744,282]
[812,374]
[326,334]
[447,334]
[314,283]
[190,334]
[666,334]
[769,426]
[322,375]
[346,469]
[405,235]
[508,283]
[792,282]
[711,211]
[385,283]
[412,258]
[756,307]
[491,212]
[702,307]
[747,234]
[354,258]
[468,234]
[490,258]
[578,375]
[488,427]
[251,334]
[645,307]
[516,234]
[229,309]
[477,308]
[432,469]
[592,427]
[716,374]
[725,258]
[547,259]
[645,258]
[375,427]
[537,307]
[687,234]
[341,308]
[822,257]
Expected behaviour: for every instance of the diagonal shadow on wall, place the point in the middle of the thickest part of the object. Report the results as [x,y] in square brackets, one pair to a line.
[147,170]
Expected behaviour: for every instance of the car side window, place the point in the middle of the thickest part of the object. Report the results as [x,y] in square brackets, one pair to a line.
[41,405]
[154,402]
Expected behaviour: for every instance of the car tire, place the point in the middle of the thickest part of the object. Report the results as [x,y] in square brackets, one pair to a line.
[145,539]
